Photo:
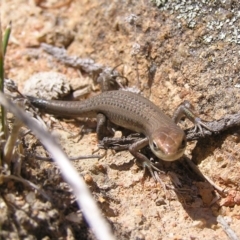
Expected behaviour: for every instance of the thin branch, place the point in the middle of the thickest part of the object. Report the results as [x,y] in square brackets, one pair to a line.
[50,159]
[217,126]
[58,5]
[86,64]
[231,234]
[28,184]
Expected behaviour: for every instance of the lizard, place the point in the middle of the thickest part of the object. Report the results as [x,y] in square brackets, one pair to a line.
[134,112]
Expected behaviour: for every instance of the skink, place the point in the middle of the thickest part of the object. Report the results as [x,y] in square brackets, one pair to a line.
[129,110]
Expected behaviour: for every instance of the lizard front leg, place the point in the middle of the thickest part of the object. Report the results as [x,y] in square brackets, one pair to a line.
[103,130]
[185,109]
[143,160]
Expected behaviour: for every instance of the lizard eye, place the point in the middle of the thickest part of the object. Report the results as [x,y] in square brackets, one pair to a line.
[155,146]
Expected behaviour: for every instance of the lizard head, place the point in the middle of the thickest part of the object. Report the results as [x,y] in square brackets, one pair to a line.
[168,144]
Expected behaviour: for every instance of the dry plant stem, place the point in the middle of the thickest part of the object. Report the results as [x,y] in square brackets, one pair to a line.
[86,157]
[86,64]
[18,161]
[231,234]
[28,184]
[215,199]
[200,174]
[218,188]
[90,210]
[11,141]
[49,159]
[194,168]
[59,5]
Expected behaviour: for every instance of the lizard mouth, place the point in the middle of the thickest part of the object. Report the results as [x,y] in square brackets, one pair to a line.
[172,157]
[168,156]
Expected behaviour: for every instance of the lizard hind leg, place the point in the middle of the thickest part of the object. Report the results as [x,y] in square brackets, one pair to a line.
[103,129]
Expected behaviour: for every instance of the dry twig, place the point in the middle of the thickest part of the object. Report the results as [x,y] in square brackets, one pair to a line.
[231,234]
[218,126]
